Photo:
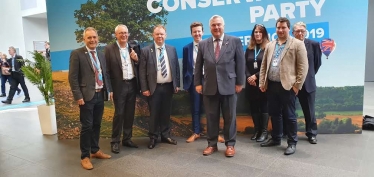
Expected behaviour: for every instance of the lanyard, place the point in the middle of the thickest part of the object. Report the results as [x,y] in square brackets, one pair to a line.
[278,49]
[256,53]
[195,48]
[97,64]
[123,54]
[162,54]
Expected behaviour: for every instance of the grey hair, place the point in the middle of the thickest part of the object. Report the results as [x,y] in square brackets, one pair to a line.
[88,29]
[120,25]
[14,49]
[214,17]
[298,24]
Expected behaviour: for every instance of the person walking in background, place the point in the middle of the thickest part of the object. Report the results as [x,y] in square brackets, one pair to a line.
[257,99]
[5,75]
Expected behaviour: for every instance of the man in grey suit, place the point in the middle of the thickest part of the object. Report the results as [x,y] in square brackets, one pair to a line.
[222,58]
[159,79]
[88,79]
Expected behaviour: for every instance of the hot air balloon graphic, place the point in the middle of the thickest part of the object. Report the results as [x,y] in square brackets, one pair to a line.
[328,45]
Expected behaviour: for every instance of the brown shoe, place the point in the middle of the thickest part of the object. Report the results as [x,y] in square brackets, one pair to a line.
[230,151]
[193,138]
[100,155]
[86,164]
[221,139]
[209,150]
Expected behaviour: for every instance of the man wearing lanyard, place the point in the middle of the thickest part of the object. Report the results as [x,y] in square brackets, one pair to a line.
[159,79]
[122,64]
[282,75]
[16,63]
[88,81]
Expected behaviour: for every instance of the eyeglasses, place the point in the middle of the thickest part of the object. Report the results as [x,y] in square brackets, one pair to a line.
[260,25]
[299,31]
[124,33]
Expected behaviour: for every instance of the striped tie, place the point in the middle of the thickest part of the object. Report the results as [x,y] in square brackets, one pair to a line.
[163,63]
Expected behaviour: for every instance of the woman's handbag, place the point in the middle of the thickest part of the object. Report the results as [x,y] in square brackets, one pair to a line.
[5,70]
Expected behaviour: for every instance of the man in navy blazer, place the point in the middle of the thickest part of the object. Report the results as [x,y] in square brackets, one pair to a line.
[222,58]
[308,92]
[159,78]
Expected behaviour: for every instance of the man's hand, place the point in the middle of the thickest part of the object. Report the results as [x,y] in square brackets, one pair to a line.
[199,89]
[111,96]
[133,55]
[80,102]
[296,90]
[238,88]
[262,89]
[146,93]
[252,80]
[176,90]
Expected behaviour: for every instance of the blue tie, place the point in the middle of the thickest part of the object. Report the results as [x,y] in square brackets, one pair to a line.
[163,64]
[13,67]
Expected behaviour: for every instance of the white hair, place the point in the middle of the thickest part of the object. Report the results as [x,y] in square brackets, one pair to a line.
[214,17]
[298,24]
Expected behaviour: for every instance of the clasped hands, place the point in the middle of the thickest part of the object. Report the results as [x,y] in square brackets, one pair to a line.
[199,89]
[252,80]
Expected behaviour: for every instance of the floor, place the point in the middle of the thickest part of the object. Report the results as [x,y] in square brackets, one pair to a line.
[25,152]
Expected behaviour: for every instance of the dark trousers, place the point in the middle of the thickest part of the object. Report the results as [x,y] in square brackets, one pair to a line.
[17,78]
[214,104]
[282,106]
[307,101]
[91,114]
[124,104]
[159,107]
[5,78]
[196,103]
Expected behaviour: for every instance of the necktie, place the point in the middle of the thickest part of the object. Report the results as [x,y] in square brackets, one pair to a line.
[13,67]
[98,80]
[217,50]
[163,64]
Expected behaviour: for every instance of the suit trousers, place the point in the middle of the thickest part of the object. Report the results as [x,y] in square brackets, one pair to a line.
[196,108]
[160,107]
[17,78]
[307,102]
[282,106]
[124,105]
[5,78]
[214,104]
[91,114]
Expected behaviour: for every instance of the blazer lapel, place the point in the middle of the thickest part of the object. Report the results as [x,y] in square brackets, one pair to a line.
[191,48]
[271,48]
[88,59]
[225,42]
[169,53]
[118,56]
[211,48]
[153,55]
[288,44]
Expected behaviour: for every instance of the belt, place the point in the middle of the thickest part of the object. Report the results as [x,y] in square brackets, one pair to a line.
[165,83]
[129,80]
[97,90]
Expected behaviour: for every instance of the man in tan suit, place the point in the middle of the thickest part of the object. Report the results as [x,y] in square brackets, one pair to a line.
[283,71]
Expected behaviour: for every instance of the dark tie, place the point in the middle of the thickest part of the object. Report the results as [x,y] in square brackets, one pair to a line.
[216,52]
[163,64]
[98,80]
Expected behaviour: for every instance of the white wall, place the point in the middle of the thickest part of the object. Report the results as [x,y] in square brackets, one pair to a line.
[34,29]
[11,30]
[369,64]
[32,7]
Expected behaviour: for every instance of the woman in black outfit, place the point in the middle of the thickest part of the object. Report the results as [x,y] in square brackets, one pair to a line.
[257,99]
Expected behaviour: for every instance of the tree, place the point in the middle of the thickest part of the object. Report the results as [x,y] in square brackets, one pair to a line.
[105,15]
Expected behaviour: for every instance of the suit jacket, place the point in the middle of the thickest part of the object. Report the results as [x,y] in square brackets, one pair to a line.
[293,64]
[82,75]
[314,60]
[187,65]
[148,67]
[114,67]
[17,64]
[224,74]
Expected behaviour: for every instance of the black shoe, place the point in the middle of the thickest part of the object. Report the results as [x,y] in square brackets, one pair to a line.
[312,140]
[271,142]
[263,137]
[129,144]
[3,95]
[26,100]
[6,102]
[291,148]
[19,91]
[169,140]
[152,143]
[254,136]
[115,148]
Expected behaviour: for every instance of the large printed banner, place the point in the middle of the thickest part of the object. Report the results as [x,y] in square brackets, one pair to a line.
[340,26]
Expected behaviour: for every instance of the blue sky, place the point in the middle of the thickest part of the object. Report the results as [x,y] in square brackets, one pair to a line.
[345,66]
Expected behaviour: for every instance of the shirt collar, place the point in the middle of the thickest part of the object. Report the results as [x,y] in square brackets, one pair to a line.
[127,45]
[221,38]
[195,43]
[157,46]
[89,50]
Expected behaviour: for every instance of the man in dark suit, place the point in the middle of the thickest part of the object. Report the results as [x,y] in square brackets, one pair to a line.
[282,74]
[222,58]
[122,68]
[307,94]
[15,65]
[88,81]
[159,79]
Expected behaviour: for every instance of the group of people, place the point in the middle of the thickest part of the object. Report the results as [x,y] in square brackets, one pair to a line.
[11,72]
[214,71]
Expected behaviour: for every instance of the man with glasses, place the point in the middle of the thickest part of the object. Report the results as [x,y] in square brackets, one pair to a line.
[122,67]
[308,92]
[282,74]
